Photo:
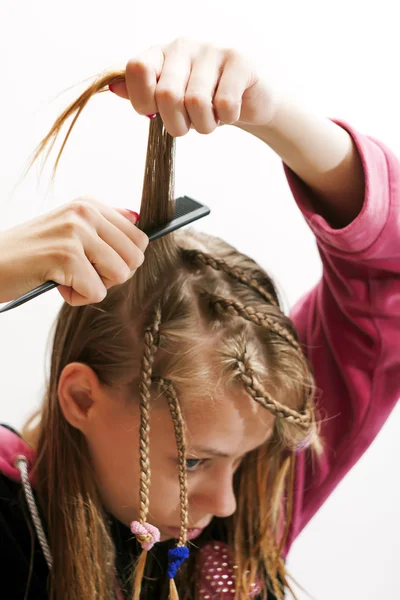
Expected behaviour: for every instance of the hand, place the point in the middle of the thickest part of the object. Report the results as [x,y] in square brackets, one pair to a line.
[195,85]
[85,246]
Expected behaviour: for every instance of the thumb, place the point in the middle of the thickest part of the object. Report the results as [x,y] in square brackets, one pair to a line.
[119,89]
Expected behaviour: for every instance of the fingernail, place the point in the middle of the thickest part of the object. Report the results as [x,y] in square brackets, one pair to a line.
[152,116]
[135,214]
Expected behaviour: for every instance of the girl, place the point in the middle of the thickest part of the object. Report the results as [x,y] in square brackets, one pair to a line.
[190,430]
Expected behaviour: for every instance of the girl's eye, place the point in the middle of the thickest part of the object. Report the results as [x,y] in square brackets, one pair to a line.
[194,464]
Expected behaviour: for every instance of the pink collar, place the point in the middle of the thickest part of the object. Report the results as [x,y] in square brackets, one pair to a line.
[11,446]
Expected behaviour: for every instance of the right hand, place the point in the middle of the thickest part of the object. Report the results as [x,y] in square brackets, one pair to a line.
[197,85]
[85,246]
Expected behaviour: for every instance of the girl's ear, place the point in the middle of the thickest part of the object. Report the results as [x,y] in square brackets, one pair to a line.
[78,391]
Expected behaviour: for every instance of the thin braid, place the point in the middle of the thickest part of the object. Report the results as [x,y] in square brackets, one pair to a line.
[150,348]
[253,387]
[223,306]
[235,273]
[260,395]
[177,419]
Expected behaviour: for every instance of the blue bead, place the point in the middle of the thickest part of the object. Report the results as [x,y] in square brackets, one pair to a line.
[176,556]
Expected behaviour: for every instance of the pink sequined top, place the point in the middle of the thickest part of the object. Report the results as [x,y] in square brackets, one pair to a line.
[349,325]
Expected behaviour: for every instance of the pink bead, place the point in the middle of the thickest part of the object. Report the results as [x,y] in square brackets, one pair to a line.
[137,528]
[146,529]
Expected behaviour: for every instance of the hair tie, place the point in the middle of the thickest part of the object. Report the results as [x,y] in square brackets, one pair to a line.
[176,556]
[146,534]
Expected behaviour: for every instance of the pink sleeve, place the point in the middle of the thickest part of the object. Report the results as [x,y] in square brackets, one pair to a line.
[349,325]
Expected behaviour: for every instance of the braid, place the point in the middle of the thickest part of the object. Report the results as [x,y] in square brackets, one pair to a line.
[169,391]
[223,306]
[235,273]
[231,307]
[150,347]
[260,395]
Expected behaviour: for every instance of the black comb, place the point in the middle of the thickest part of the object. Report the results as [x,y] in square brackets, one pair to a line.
[187,210]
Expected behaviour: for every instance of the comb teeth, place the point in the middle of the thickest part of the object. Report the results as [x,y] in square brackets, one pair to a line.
[183,206]
[187,210]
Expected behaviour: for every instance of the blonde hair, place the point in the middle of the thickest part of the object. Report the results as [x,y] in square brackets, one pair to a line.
[191,288]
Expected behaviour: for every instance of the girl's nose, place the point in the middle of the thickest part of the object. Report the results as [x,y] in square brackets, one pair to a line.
[217,496]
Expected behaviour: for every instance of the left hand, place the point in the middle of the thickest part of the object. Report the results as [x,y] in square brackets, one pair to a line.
[199,86]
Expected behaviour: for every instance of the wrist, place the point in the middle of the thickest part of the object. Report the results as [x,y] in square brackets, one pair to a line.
[322,154]
[16,268]
[270,127]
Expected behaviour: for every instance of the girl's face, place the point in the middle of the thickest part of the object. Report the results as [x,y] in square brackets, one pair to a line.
[219,432]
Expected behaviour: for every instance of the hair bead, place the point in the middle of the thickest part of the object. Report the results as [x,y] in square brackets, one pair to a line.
[176,556]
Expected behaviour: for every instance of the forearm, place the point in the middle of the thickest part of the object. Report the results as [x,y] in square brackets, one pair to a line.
[323,155]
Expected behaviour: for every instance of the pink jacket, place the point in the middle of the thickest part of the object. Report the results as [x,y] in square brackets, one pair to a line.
[349,325]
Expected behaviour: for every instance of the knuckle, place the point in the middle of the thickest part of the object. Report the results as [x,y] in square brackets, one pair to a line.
[62,261]
[168,95]
[136,66]
[228,108]
[82,207]
[226,103]
[232,54]
[197,101]
[68,253]
[71,226]
[182,41]
[121,274]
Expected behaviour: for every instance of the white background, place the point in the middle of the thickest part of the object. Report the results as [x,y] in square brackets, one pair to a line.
[341,59]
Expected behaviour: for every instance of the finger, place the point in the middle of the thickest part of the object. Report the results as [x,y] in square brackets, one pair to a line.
[203,82]
[171,89]
[118,235]
[92,211]
[119,89]
[121,219]
[236,77]
[115,230]
[85,286]
[109,265]
[141,76]
[73,298]
[124,250]
[93,272]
